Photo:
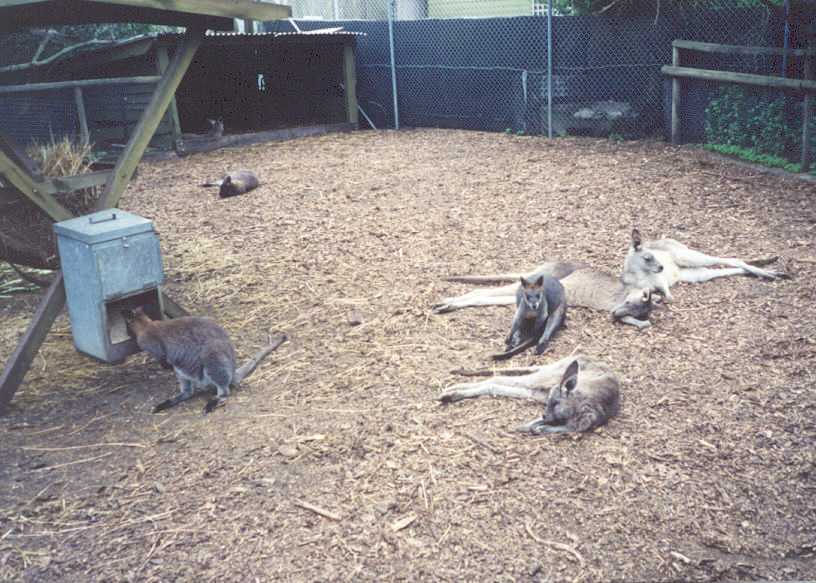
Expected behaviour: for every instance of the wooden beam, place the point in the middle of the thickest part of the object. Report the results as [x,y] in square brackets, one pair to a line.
[702,47]
[350,82]
[83,117]
[675,104]
[36,192]
[807,115]
[162,62]
[150,120]
[30,87]
[80,181]
[741,78]
[243,9]
[20,361]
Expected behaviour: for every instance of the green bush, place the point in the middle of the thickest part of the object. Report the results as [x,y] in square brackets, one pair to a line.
[755,129]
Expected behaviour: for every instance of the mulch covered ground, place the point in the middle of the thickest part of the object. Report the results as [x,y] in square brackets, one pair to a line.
[334,461]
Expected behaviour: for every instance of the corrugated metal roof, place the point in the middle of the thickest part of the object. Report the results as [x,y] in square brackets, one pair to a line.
[306,33]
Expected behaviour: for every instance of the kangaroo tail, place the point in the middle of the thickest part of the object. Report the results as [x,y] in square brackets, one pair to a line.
[497,278]
[249,366]
[530,342]
[211,183]
[489,372]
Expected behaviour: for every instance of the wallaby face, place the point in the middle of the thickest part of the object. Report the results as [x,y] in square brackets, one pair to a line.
[533,297]
[216,127]
[638,305]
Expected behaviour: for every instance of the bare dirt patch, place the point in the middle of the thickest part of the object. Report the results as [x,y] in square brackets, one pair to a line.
[335,462]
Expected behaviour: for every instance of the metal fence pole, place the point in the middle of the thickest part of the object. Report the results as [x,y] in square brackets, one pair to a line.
[549,69]
[391,16]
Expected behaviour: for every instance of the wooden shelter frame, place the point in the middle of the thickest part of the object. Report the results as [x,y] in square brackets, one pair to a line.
[197,16]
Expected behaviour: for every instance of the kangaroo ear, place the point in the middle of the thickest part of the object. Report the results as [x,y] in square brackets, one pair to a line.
[227,179]
[647,296]
[570,378]
[540,281]
[637,241]
[523,282]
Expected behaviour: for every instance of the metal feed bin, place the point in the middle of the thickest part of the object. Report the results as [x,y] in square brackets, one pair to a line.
[111,262]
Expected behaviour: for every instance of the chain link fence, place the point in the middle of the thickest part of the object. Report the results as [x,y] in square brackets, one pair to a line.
[504,65]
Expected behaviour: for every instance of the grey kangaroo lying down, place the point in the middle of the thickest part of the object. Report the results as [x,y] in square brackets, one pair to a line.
[661,263]
[579,394]
[198,350]
[585,287]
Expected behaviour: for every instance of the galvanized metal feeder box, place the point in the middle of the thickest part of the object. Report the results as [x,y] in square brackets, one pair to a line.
[111,262]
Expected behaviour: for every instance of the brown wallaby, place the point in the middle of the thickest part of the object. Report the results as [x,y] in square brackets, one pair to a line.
[198,350]
[216,128]
[579,393]
[585,287]
[235,183]
[541,307]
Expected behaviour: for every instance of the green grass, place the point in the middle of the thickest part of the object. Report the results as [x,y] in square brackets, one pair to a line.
[757,158]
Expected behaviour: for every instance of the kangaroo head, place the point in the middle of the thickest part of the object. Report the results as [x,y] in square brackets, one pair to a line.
[532,294]
[640,264]
[638,304]
[560,403]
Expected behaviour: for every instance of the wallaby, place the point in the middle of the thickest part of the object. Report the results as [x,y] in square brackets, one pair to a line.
[198,349]
[216,128]
[541,307]
[584,286]
[661,263]
[579,393]
[235,183]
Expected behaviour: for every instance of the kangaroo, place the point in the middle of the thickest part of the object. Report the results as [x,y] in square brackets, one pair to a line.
[235,183]
[541,307]
[585,287]
[579,393]
[661,263]
[198,350]
[216,128]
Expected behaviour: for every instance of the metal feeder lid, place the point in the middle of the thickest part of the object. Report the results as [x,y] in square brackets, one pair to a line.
[103,226]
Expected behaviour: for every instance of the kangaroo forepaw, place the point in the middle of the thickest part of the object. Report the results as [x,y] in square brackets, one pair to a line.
[541,349]
[164,405]
[213,404]
[450,397]
[441,308]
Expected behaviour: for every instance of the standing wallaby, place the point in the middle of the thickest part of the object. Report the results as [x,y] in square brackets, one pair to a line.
[579,393]
[198,349]
[235,183]
[541,307]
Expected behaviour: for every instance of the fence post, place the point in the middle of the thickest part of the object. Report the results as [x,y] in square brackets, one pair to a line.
[391,15]
[83,116]
[807,109]
[675,105]
[549,69]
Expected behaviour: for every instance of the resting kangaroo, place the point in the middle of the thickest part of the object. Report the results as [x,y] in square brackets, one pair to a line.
[585,287]
[235,183]
[579,393]
[198,349]
[541,307]
[661,263]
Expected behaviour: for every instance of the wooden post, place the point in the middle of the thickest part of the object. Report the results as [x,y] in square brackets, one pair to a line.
[675,104]
[350,82]
[38,193]
[83,117]
[20,361]
[807,112]
[163,61]
[151,117]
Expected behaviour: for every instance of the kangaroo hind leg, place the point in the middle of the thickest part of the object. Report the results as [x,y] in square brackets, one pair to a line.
[686,257]
[185,392]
